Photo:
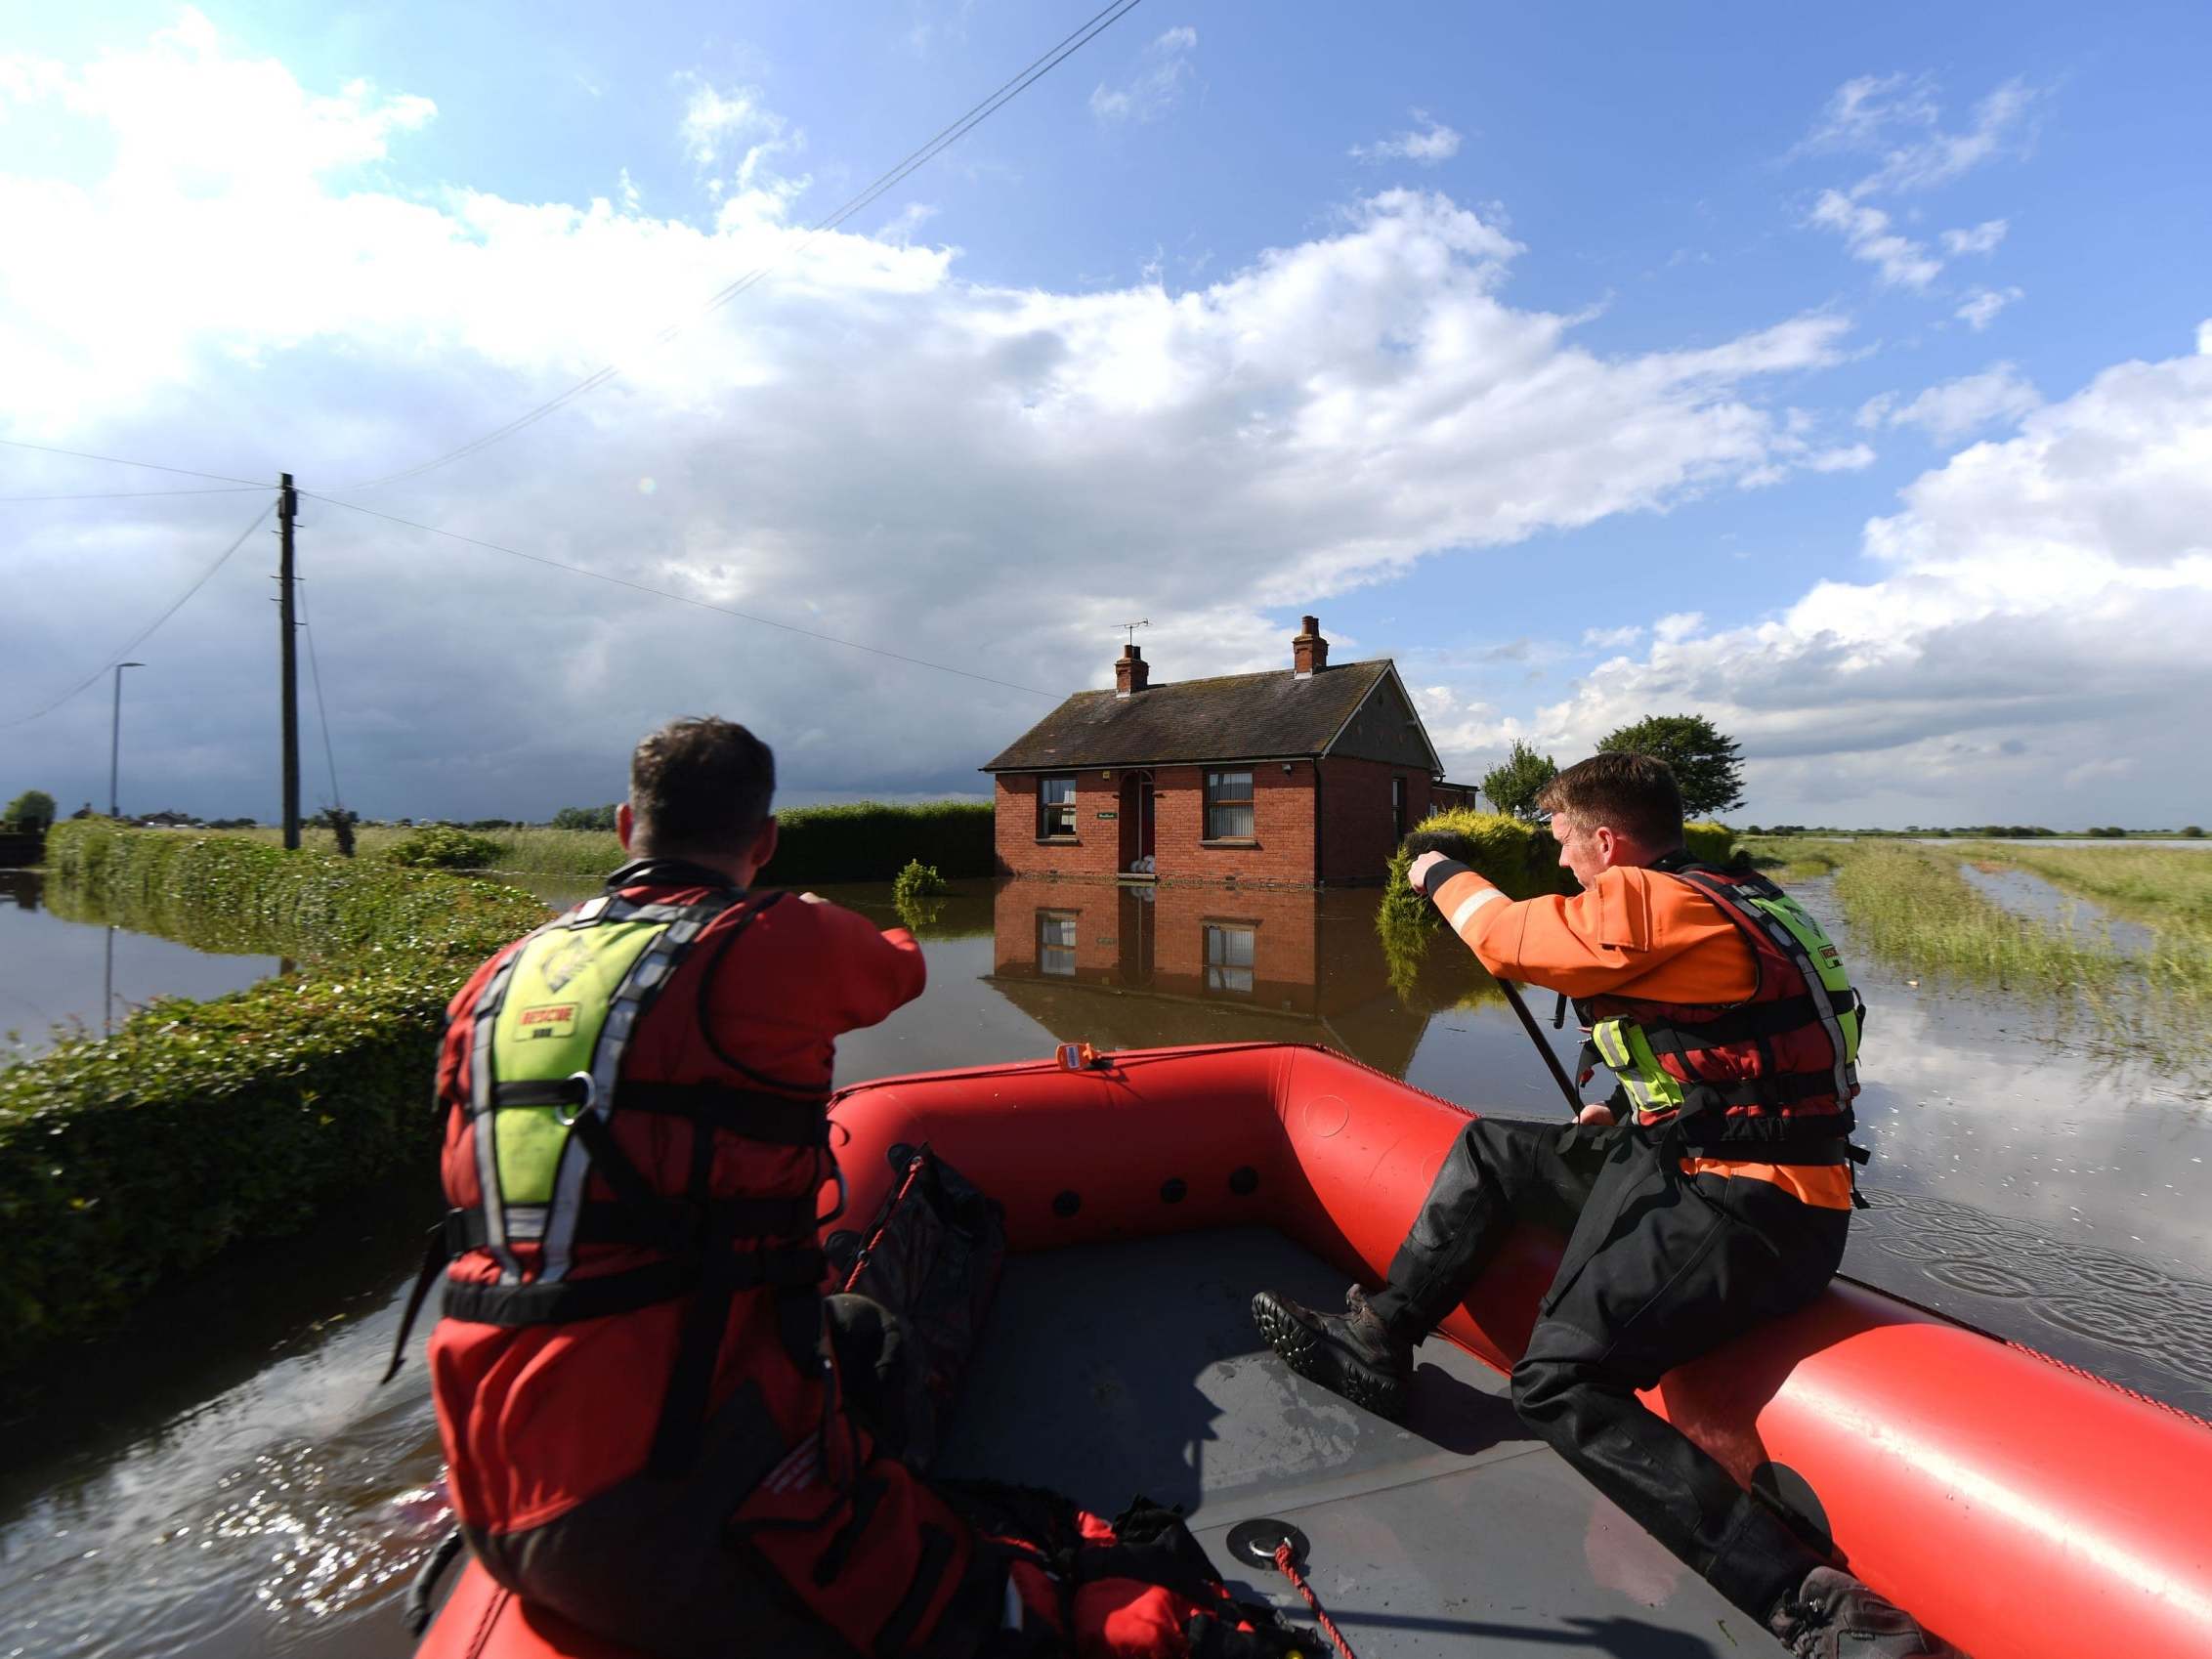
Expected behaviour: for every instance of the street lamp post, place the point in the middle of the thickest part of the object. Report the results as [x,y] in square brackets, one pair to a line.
[115,738]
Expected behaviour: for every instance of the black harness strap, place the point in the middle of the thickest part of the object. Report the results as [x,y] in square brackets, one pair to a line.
[463,1230]
[937,1546]
[569,1299]
[780,1119]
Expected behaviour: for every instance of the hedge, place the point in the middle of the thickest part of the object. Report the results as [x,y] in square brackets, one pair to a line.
[873,843]
[1521,857]
[199,1124]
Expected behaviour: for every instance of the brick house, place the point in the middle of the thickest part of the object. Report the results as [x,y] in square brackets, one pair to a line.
[1306,776]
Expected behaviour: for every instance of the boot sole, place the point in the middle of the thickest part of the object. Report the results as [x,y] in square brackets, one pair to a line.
[1315,1360]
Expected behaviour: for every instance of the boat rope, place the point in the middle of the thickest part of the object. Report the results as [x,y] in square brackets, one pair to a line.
[883,1224]
[1287,1563]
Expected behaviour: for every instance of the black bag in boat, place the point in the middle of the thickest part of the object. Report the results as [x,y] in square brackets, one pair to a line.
[930,1261]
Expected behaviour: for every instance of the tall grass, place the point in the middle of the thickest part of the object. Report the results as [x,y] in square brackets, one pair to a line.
[1911,906]
[1914,909]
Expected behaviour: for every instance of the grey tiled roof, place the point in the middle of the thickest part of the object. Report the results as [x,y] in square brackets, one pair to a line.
[1231,717]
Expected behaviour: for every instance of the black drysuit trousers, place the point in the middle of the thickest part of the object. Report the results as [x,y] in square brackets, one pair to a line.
[1660,1267]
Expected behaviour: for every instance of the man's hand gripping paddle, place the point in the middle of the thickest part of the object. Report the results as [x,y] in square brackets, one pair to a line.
[1457,846]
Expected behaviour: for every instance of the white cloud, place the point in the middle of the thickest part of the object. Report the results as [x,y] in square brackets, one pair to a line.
[1898,119]
[1981,239]
[1677,625]
[1867,233]
[1850,458]
[1613,639]
[1981,306]
[1164,69]
[1951,411]
[2031,651]
[865,445]
[715,120]
[1429,141]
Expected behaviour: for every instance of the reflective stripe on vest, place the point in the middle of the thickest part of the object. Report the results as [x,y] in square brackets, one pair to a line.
[1817,961]
[563,1009]
[1763,910]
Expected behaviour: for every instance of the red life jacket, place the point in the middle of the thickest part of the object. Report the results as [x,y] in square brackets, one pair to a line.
[676,1272]
[1772,1077]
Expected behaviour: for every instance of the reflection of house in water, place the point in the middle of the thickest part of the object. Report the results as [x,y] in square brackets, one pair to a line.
[1134,966]
[19,887]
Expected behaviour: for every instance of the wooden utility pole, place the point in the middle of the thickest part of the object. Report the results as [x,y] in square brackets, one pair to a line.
[287,505]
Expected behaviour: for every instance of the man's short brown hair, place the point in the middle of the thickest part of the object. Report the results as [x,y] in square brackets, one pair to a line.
[701,786]
[1635,794]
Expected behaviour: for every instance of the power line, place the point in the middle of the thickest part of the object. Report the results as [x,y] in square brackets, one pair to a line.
[143,634]
[314,673]
[944,138]
[135,494]
[118,460]
[681,598]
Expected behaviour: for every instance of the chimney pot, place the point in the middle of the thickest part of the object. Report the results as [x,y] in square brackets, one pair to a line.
[1131,672]
[1309,652]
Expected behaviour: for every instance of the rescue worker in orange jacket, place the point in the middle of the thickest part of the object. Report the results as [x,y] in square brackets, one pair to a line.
[657,1423]
[1710,1195]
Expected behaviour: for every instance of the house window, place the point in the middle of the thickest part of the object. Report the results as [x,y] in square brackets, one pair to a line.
[1228,959]
[1399,807]
[1056,942]
[1228,806]
[1055,808]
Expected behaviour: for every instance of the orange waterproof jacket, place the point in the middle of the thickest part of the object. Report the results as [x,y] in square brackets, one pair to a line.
[1635,933]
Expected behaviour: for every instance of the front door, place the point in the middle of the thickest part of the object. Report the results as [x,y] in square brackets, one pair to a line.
[1136,824]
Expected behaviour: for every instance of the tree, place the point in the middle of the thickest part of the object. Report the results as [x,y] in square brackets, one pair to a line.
[1703,758]
[584,818]
[33,807]
[340,821]
[1514,785]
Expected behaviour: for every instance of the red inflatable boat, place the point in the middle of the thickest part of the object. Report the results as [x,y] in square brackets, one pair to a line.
[2020,1509]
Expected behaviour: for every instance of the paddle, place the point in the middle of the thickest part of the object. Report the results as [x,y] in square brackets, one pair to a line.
[1457,846]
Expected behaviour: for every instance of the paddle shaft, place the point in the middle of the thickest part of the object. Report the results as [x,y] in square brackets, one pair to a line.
[1550,1060]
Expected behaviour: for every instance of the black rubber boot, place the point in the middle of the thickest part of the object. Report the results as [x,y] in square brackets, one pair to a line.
[1352,1353]
[1833,1616]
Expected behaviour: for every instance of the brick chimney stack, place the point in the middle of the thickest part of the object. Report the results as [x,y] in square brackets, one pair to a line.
[1308,649]
[1131,672]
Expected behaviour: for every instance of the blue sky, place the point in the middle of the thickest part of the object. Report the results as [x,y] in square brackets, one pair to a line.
[1489,333]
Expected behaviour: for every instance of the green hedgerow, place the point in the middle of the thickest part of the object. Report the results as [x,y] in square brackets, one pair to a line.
[439,847]
[197,1124]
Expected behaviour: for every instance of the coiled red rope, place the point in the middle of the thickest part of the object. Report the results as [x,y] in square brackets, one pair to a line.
[1289,1570]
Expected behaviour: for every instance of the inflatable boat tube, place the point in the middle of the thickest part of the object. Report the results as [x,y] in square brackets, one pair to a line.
[1954,1470]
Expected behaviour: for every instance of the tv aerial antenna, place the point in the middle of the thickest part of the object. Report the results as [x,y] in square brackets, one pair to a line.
[1131,627]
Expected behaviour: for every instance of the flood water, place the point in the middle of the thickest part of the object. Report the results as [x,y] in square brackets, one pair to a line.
[227,1479]
[60,976]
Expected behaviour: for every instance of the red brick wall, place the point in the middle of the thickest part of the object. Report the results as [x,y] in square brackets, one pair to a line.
[1095,852]
[1358,828]
[1281,849]
[1359,831]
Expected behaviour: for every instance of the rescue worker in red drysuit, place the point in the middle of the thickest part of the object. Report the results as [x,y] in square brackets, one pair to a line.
[1722,1203]
[657,1423]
